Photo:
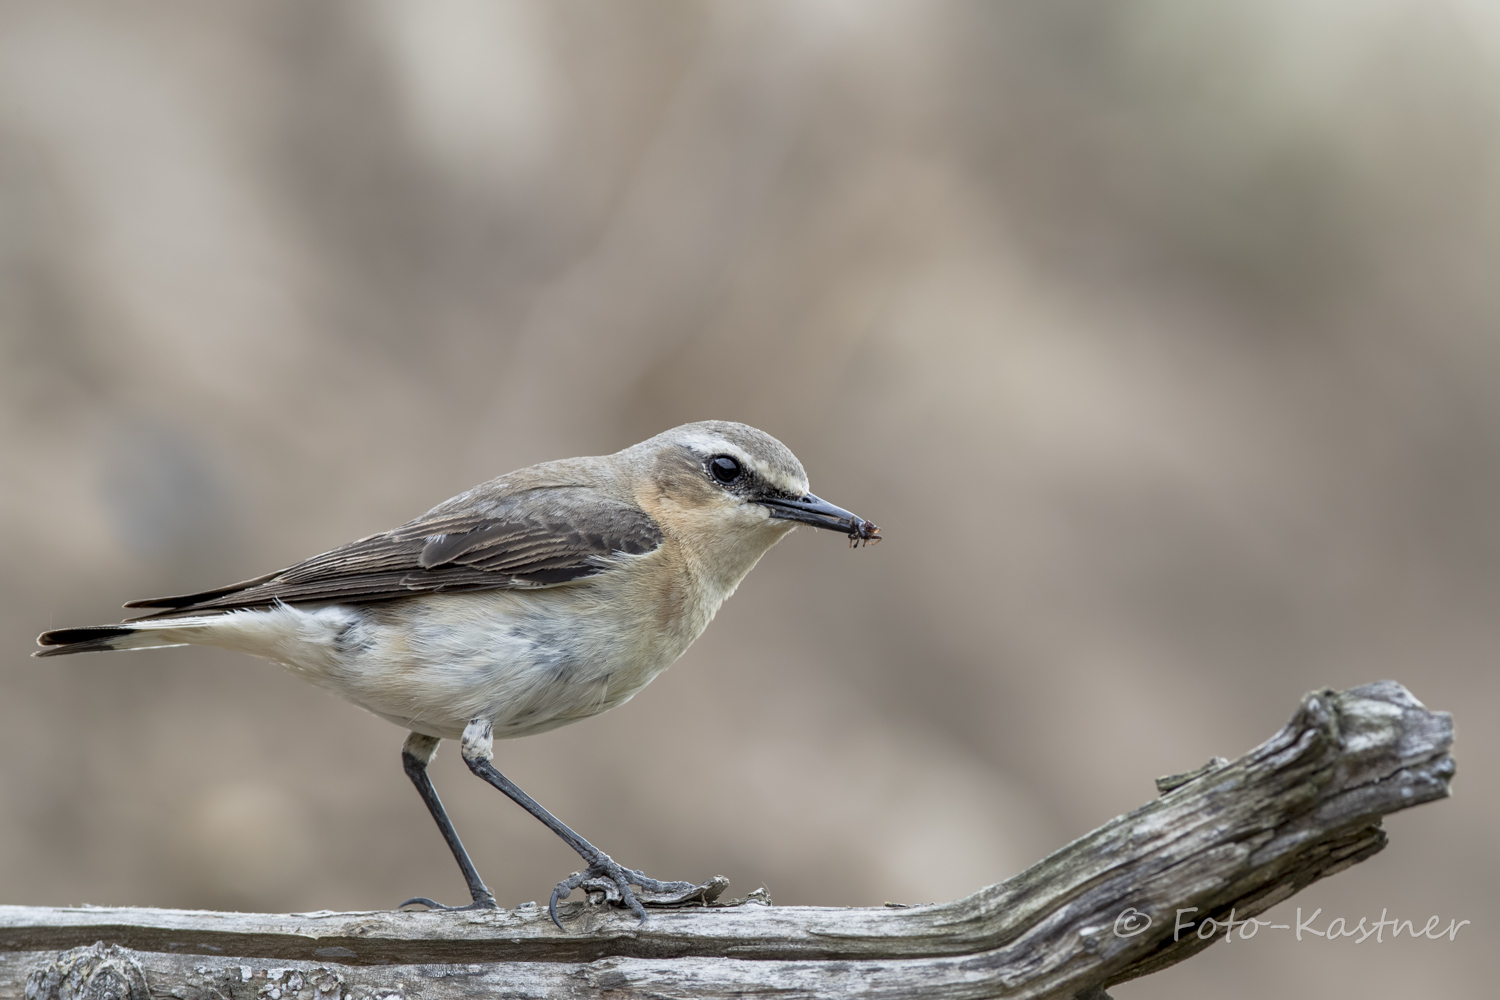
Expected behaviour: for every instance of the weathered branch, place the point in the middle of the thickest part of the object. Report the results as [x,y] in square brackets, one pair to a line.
[1237,837]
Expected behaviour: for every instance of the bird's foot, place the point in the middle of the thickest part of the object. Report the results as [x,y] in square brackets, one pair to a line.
[605,881]
[485,902]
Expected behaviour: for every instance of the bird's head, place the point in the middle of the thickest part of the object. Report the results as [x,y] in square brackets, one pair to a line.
[729,489]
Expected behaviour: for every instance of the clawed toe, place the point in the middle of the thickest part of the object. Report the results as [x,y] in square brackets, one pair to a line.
[609,874]
[432,904]
[612,883]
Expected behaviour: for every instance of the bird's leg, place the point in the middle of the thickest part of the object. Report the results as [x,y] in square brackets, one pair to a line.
[478,753]
[416,754]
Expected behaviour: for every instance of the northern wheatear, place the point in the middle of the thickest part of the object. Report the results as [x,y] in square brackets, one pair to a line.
[531,601]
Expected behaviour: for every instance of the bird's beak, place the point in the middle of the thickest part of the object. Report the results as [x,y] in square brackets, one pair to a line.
[822,514]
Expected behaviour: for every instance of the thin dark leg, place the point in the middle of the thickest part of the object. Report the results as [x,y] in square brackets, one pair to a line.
[415,756]
[478,752]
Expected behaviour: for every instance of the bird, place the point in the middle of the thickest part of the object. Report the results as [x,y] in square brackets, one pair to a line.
[539,598]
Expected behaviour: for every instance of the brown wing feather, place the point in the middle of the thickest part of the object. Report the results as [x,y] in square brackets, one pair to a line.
[540,538]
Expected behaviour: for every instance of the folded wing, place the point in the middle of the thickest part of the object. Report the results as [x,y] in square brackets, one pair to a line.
[540,538]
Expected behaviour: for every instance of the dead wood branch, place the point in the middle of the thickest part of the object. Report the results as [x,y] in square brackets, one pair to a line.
[1238,837]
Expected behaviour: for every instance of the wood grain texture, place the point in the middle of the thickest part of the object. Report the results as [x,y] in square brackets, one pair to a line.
[1240,836]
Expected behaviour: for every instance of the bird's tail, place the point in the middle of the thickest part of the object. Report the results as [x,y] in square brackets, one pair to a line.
[129,635]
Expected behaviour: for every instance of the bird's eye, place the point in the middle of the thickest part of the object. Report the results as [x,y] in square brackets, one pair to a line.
[725,469]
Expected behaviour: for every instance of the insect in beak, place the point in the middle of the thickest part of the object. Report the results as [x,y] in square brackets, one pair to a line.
[819,513]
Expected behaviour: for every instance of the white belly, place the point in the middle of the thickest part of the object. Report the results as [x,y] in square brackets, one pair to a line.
[527,660]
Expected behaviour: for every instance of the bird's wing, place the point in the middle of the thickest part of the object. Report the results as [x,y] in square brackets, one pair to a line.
[539,538]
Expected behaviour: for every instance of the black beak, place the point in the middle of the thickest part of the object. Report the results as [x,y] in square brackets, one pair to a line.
[822,514]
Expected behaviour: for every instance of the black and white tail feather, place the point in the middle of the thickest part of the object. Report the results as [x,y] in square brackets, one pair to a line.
[127,635]
[601,547]
[534,539]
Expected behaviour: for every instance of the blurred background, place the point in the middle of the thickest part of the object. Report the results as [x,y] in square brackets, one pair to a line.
[1161,339]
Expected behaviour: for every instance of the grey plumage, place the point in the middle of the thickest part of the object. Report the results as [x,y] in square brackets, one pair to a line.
[533,600]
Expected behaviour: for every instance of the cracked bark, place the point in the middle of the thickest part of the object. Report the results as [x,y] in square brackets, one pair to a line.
[1230,837]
